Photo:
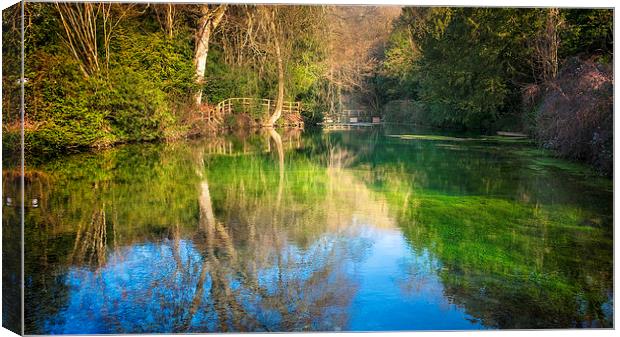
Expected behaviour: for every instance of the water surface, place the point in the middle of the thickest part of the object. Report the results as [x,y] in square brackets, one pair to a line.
[362,230]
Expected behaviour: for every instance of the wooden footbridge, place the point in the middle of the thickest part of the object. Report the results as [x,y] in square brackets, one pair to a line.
[259,109]
[350,118]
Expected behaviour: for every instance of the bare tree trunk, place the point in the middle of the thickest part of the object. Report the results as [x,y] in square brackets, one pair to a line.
[339,93]
[80,25]
[200,59]
[280,99]
[170,20]
[554,22]
[206,24]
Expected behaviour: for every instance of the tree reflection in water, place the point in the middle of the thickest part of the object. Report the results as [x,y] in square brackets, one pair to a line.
[247,268]
[264,232]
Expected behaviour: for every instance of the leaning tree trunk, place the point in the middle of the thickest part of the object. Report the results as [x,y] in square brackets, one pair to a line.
[280,99]
[206,24]
[200,59]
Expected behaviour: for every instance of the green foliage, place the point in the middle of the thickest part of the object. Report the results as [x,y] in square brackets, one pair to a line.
[468,66]
[73,113]
[588,31]
[306,66]
[224,81]
[468,71]
[312,105]
[61,106]
[135,106]
[396,79]
[136,97]
[305,83]
[165,62]
[72,125]
[144,79]
[11,70]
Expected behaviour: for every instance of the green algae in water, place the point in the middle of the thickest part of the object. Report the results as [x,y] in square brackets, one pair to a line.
[541,160]
[351,218]
[548,256]
[435,137]
[509,140]
[430,137]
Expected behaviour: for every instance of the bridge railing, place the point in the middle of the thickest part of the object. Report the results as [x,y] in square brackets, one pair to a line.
[259,106]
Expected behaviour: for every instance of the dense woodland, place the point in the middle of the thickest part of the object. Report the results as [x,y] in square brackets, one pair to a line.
[104,74]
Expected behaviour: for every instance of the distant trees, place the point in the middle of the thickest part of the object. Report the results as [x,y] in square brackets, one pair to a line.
[278,40]
[507,68]
[471,66]
[587,31]
[356,37]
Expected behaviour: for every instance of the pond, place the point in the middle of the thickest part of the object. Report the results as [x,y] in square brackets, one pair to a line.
[381,228]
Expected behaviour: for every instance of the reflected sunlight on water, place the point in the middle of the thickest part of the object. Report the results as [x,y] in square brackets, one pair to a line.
[351,230]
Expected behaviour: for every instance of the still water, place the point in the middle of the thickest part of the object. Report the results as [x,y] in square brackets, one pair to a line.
[360,230]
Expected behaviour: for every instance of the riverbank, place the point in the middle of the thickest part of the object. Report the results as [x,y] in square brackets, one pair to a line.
[547,72]
[572,116]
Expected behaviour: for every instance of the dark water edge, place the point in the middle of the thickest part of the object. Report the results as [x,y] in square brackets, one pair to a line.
[11,246]
[366,230]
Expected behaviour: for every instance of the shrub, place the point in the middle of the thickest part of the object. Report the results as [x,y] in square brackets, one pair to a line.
[407,112]
[134,99]
[575,117]
[73,125]
[136,108]
[60,116]
[224,81]
[164,62]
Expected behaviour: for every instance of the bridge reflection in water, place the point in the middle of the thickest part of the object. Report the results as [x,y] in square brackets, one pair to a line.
[330,231]
[350,119]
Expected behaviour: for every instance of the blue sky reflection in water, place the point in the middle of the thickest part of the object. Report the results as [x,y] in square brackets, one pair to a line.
[354,230]
[135,282]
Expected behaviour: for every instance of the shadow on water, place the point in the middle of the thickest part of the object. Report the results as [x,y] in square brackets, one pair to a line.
[282,231]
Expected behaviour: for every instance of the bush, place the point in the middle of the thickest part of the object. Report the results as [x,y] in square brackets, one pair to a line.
[60,116]
[136,108]
[73,126]
[406,112]
[164,62]
[149,77]
[575,117]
